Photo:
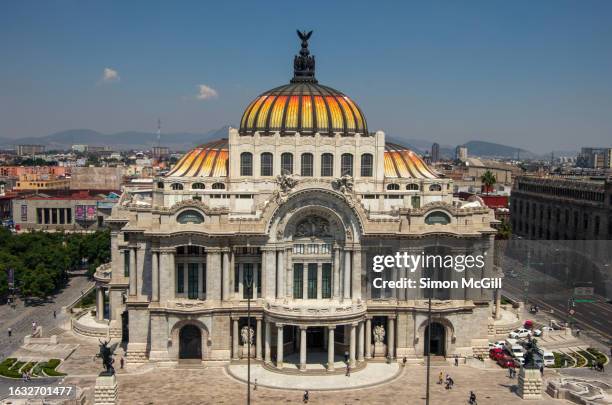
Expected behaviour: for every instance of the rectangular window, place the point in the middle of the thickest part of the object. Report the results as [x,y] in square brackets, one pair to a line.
[180,279]
[126,263]
[286,163]
[247,278]
[327,165]
[266,164]
[204,278]
[312,249]
[312,280]
[326,280]
[298,249]
[62,216]
[298,280]
[307,162]
[367,162]
[326,248]
[192,281]
[39,215]
[346,164]
[416,201]
[237,278]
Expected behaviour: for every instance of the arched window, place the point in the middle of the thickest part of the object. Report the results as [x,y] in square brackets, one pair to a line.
[218,186]
[393,187]
[307,164]
[176,186]
[437,217]
[246,164]
[367,165]
[267,165]
[435,187]
[287,163]
[412,187]
[160,184]
[327,165]
[190,217]
[346,164]
[198,186]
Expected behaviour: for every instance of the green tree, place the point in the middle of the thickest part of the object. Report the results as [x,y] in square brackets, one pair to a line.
[489,180]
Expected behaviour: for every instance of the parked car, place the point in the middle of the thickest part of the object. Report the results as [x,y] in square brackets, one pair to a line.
[496,352]
[547,329]
[506,362]
[519,333]
[537,332]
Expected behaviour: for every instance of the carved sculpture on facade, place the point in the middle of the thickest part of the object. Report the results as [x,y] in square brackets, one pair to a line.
[246,334]
[311,227]
[344,184]
[379,334]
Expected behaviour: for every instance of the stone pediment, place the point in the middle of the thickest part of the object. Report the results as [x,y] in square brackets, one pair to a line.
[192,204]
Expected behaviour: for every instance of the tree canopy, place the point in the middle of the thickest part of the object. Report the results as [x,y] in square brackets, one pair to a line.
[41,260]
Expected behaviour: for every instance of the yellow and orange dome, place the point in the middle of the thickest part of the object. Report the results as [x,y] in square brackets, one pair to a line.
[305,107]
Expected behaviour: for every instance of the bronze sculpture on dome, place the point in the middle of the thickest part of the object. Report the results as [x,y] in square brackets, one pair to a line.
[304,63]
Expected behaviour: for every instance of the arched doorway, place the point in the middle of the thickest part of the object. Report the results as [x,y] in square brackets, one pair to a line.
[435,339]
[190,342]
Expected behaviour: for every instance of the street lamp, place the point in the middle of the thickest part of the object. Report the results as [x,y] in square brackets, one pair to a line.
[248,278]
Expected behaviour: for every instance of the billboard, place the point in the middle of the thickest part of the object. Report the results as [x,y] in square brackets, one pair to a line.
[85,212]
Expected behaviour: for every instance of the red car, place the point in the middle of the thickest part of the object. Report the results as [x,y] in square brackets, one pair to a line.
[496,352]
[506,362]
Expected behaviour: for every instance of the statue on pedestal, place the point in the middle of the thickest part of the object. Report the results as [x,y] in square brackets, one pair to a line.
[106,354]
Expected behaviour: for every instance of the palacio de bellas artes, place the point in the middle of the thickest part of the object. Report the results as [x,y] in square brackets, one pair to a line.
[282,220]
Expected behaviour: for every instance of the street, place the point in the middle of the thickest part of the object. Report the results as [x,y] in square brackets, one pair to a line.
[20,319]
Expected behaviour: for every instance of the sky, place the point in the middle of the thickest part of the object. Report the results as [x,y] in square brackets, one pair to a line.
[531,74]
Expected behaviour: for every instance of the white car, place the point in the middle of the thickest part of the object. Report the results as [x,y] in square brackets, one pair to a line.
[519,333]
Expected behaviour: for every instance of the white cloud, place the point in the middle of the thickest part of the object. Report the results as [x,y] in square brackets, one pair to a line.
[205,92]
[110,75]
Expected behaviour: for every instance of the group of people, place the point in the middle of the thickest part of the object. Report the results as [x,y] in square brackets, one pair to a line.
[447,381]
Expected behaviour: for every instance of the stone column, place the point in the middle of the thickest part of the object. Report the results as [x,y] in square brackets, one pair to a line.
[279,345]
[356,275]
[232,275]
[303,345]
[352,345]
[368,338]
[154,276]
[269,274]
[391,337]
[258,340]
[133,287]
[360,345]
[140,269]
[235,339]
[213,274]
[330,347]
[268,348]
[100,304]
[346,293]
[280,275]
[336,276]
[226,278]
[319,281]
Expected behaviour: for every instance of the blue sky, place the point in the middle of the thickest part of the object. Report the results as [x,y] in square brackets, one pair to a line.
[523,73]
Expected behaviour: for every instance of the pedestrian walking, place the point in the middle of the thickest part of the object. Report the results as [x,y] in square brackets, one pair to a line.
[10,332]
[440,379]
[542,371]
[346,356]
[472,399]
[404,360]
[255,386]
[348,370]
[306,397]
[456,361]
[121,362]
[54,314]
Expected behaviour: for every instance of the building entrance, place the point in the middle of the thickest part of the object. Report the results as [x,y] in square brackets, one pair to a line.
[435,339]
[314,338]
[190,342]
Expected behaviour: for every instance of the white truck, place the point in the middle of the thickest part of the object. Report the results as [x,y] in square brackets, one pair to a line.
[548,358]
[515,349]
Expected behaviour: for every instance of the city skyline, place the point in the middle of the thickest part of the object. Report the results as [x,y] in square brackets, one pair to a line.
[525,75]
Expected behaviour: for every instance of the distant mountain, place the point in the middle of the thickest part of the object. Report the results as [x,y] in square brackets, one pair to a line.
[423,147]
[489,149]
[126,140]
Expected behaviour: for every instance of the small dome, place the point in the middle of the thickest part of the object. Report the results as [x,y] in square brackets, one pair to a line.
[207,160]
[402,162]
[303,105]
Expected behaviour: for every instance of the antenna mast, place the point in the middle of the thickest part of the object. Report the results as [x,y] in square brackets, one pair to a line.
[158,132]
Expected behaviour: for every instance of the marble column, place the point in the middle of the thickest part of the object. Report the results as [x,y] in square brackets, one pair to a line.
[268,339]
[213,274]
[368,338]
[356,275]
[360,340]
[279,345]
[280,275]
[133,270]
[226,278]
[155,276]
[235,355]
[269,274]
[347,275]
[330,347]
[303,344]
[258,340]
[391,337]
[100,304]
[336,276]
[352,345]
